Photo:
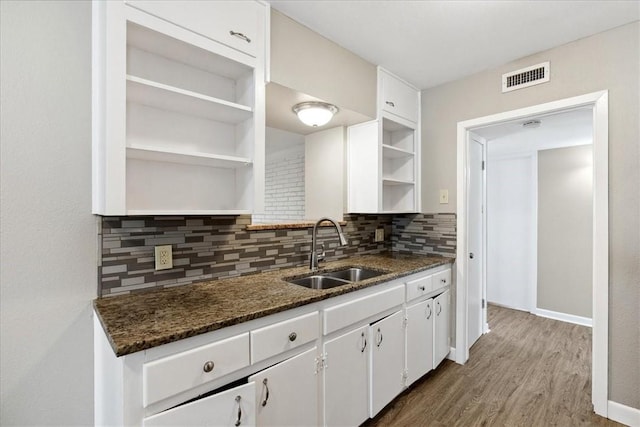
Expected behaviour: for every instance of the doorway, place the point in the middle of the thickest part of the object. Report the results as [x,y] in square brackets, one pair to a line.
[465,309]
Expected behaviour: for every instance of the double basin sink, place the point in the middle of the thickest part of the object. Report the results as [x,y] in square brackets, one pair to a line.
[331,279]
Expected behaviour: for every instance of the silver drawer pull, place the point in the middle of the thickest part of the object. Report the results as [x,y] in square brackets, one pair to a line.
[389,103]
[238,422]
[364,343]
[379,338]
[208,367]
[422,288]
[429,313]
[240,36]
[266,395]
[293,336]
[439,309]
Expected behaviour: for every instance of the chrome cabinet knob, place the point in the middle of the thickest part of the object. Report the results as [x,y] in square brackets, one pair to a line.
[293,336]
[208,367]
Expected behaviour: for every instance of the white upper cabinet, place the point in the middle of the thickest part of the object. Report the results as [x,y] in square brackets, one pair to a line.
[383,155]
[178,109]
[397,97]
[236,24]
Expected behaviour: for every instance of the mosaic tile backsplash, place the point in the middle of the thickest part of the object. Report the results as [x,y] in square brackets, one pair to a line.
[425,234]
[206,248]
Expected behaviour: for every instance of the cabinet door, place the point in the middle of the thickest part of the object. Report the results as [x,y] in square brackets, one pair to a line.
[419,340]
[441,328]
[287,393]
[399,98]
[233,23]
[235,407]
[387,360]
[345,379]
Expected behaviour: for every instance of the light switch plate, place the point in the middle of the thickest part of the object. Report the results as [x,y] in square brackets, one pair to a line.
[164,257]
[444,197]
[379,235]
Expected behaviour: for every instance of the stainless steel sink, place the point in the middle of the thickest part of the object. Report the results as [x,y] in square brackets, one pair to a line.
[318,281]
[331,279]
[354,274]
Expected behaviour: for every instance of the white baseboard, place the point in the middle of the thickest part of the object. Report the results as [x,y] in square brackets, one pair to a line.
[585,321]
[623,414]
[452,354]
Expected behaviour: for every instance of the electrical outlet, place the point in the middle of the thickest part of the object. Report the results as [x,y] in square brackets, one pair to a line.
[379,235]
[444,197]
[164,257]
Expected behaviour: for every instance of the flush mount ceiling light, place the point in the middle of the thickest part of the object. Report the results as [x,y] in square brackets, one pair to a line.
[531,124]
[315,113]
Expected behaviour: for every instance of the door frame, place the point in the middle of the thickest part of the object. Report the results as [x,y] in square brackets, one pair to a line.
[599,102]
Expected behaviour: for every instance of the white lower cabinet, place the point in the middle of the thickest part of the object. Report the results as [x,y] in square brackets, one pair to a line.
[419,340]
[387,360]
[235,407]
[335,363]
[441,328]
[346,378]
[287,393]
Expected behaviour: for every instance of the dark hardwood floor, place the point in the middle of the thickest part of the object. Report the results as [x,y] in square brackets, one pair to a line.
[528,371]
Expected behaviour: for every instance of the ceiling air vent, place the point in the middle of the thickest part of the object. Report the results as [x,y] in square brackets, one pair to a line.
[525,77]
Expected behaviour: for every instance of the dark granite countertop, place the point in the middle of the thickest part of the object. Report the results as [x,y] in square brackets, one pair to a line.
[141,321]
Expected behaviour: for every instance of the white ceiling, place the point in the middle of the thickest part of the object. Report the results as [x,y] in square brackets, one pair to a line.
[431,42]
[577,122]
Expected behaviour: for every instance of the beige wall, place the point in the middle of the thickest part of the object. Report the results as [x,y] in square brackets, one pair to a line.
[565,224]
[610,60]
[303,60]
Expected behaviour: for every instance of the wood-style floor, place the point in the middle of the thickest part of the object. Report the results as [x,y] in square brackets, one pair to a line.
[528,371]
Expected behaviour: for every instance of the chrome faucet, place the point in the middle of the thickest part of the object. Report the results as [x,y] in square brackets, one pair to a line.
[315,257]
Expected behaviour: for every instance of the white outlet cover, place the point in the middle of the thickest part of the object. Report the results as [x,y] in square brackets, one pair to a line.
[164,257]
[444,197]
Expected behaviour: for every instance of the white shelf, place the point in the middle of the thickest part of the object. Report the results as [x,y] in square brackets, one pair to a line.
[391,181]
[202,57]
[189,158]
[204,212]
[165,97]
[392,152]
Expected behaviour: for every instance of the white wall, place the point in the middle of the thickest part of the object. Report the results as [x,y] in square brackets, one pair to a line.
[611,61]
[48,235]
[511,230]
[324,177]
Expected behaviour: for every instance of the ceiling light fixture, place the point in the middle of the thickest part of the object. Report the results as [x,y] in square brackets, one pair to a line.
[315,113]
[531,124]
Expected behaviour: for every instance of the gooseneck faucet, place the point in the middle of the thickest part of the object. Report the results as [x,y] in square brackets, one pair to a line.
[314,258]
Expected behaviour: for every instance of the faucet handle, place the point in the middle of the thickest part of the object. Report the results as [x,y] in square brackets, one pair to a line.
[322,254]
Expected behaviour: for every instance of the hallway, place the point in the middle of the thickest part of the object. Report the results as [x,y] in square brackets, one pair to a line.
[528,371]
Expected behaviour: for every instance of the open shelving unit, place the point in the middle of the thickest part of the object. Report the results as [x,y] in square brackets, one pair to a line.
[184,131]
[383,155]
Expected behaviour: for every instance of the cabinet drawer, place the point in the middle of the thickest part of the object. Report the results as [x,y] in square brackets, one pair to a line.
[350,312]
[227,408]
[417,288]
[283,336]
[442,279]
[399,98]
[174,374]
[215,20]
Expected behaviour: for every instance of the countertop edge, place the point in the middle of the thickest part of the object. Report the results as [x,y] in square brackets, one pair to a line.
[123,349]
